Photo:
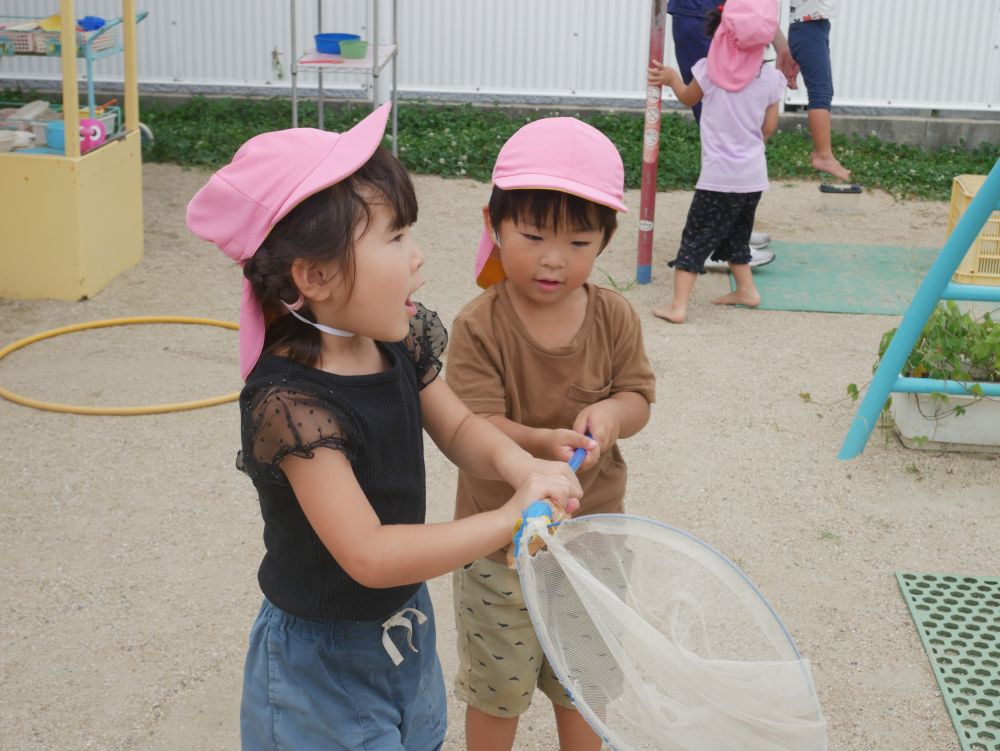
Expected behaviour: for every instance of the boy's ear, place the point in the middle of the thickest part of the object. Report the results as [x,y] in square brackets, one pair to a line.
[610,238]
[487,222]
[312,278]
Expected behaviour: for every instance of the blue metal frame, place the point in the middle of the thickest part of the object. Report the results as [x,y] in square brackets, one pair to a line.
[936,286]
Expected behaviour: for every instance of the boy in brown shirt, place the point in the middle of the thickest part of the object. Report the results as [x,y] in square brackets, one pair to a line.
[547,357]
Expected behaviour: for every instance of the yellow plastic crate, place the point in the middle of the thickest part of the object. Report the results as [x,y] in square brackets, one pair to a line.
[981,264]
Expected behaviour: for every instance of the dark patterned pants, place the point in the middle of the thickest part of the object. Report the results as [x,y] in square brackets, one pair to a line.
[718,225]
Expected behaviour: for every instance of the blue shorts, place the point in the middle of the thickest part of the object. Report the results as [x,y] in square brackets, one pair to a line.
[809,42]
[332,685]
[691,44]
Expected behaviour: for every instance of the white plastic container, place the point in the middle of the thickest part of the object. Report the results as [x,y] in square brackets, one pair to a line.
[38,128]
[919,417]
[31,110]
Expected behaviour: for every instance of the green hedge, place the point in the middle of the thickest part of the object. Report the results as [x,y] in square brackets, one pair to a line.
[463,141]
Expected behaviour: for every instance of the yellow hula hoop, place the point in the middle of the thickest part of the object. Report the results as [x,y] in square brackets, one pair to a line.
[153,410]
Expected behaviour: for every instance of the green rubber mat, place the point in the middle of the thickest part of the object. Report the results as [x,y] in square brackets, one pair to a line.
[958,619]
[841,278]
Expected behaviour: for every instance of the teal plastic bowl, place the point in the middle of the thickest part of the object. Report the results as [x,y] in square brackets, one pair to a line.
[330,43]
[55,134]
[355,49]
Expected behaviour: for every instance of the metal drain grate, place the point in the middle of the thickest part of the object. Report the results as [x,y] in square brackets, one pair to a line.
[958,619]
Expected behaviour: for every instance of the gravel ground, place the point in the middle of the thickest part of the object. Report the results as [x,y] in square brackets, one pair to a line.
[131,544]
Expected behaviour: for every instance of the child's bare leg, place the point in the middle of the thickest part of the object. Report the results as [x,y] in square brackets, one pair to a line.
[745,292]
[676,312]
[484,732]
[822,154]
[574,732]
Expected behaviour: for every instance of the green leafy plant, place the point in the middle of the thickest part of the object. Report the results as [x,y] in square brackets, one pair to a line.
[953,346]
[615,284]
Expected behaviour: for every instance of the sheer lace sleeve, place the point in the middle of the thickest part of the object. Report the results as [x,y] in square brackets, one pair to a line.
[283,419]
[426,344]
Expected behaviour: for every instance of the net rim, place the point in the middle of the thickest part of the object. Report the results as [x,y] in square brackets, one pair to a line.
[554,661]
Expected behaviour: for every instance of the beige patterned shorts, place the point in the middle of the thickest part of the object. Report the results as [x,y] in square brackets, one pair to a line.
[500,659]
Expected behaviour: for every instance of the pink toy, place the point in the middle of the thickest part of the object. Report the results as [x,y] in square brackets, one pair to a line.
[92,134]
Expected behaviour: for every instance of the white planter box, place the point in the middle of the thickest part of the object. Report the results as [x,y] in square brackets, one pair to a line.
[977,430]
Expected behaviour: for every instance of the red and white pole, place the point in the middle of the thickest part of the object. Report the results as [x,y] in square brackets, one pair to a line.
[650,149]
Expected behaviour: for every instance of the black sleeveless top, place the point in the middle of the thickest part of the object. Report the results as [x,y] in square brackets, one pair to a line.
[289,408]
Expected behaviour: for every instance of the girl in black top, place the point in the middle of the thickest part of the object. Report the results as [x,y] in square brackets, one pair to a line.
[341,379]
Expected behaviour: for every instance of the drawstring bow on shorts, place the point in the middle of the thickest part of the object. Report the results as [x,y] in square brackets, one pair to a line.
[400,619]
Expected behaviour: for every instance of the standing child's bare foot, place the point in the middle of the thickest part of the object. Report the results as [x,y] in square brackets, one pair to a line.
[670,313]
[828,163]
[739,297]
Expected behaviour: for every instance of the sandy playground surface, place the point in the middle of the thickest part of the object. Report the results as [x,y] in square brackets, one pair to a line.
[130,544]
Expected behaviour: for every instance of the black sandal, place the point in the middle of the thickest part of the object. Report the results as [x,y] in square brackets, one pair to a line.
[830,188]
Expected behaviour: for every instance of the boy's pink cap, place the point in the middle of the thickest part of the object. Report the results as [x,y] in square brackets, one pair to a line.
[269,176]
[555,153]
[737,49]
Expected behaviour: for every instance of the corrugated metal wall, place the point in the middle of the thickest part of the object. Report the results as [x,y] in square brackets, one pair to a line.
[886,53]
[916,53]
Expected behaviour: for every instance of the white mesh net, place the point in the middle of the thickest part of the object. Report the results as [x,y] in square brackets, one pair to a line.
[663,643]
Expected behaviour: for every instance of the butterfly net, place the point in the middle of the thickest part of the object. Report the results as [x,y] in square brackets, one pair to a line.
[663,643]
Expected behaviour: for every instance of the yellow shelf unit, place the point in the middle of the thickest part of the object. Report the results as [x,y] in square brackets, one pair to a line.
[70,223]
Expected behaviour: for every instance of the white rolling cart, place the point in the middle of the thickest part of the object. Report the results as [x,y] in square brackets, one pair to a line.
[380,53]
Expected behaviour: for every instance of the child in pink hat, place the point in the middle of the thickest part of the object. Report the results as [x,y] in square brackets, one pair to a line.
[739,97]
[341,373]
[549,358]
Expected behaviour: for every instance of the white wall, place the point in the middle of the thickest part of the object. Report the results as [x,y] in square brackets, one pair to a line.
[886,53]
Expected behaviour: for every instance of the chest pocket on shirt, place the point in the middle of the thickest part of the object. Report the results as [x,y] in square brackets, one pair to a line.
[577,398]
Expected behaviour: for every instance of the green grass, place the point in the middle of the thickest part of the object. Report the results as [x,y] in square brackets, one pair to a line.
[463,141]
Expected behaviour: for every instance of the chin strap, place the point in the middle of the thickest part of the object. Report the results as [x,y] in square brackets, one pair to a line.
[293,308]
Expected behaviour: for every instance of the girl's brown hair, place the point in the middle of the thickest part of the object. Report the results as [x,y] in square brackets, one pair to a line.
[713,18]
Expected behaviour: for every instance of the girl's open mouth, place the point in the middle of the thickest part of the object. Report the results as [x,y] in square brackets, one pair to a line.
[547,284]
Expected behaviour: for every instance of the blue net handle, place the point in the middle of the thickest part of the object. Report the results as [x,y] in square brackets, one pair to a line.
[542,508]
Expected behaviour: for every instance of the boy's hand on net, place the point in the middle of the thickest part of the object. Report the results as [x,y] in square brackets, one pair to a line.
[602,421]
[562,443]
